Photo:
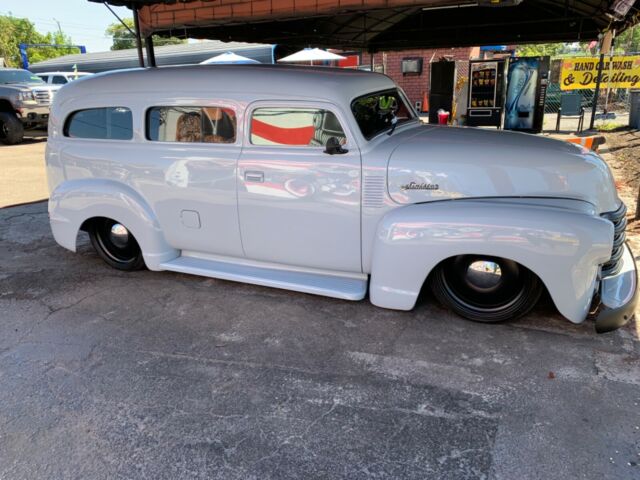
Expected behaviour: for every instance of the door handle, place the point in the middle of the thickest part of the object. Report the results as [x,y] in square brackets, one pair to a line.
[253,176]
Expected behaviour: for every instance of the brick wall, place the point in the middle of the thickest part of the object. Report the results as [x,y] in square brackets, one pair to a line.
[417,85]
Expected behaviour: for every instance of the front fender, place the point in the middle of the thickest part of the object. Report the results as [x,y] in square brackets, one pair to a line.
[563,247]
[75,201]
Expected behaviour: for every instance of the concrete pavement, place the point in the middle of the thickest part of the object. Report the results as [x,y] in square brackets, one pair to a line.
[158,375]
[22,172]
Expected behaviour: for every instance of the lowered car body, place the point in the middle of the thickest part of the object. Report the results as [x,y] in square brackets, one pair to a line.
[325,181]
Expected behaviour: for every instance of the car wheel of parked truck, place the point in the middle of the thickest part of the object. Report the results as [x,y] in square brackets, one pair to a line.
[11,129]
[115,244]
[485,289]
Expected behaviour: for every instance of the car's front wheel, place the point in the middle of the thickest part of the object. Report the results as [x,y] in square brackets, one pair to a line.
[485,289]
[11,129]
[115,244]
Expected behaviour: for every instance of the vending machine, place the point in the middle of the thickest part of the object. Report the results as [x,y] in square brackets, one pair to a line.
[528,80]
[486,93]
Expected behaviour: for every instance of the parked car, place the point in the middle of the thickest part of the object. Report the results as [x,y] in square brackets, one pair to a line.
[24,103]
[325,181]
[61,78]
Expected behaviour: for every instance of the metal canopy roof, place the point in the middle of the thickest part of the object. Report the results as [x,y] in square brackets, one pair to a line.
[382,24]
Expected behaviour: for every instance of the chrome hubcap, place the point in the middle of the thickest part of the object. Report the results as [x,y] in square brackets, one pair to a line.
[119,235]
[484,274]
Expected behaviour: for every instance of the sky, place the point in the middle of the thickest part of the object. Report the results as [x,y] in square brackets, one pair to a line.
[84,21]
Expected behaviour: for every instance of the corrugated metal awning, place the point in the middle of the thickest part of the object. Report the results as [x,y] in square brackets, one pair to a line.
[381,24]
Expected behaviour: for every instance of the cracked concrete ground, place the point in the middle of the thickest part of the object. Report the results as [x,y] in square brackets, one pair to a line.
[156,375]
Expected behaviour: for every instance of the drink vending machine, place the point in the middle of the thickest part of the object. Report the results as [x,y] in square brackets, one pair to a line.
[526,93]
[486,93]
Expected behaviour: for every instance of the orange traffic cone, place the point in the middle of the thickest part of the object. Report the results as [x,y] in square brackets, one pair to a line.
[425,102]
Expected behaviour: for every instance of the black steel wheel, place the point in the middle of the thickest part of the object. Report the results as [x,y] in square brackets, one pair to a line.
[115,244]
[485,289]
[11,128]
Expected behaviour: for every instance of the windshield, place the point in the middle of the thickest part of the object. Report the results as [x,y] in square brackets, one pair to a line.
[18,76]
[380,111]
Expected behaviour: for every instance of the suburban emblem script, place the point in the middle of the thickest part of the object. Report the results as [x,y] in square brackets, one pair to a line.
[420,186]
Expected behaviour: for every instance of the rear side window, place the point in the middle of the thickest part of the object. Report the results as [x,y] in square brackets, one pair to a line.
[109,123]
[59,80]
[191,124]
[309,127]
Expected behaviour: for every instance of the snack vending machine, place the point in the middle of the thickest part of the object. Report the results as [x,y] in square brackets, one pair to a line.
[526,93]
[486,93]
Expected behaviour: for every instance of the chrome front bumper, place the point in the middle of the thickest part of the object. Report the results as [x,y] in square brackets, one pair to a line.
[34,113]
[618,295]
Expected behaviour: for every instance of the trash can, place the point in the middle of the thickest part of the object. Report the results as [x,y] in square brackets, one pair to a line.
[634,113]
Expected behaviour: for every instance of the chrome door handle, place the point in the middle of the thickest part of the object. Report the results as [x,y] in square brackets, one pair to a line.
[253,176]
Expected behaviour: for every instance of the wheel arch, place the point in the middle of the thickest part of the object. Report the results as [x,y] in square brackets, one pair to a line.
[6,106]
[563,248]
[76,203]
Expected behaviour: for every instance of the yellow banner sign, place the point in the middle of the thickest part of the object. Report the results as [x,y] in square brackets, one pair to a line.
[617,72]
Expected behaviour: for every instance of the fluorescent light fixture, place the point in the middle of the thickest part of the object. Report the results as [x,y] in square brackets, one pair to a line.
[446,7]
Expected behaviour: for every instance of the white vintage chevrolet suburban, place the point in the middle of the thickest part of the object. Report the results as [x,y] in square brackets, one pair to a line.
[324,181]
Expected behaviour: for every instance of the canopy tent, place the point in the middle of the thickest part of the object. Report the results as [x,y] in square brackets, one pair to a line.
[311,55]
[384,24]
[227,58]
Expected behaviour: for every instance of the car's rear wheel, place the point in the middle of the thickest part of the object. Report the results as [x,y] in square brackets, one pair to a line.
[484,288]
[115,244]
[11,128]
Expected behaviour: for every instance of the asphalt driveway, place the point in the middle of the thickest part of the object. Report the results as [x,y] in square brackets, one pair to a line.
[159,375]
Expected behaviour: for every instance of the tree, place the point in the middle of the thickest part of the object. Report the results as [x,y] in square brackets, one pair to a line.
[122,37]
[542,49]
[14,31]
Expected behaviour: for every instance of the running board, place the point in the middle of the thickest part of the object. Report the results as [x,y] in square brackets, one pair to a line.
[343,287]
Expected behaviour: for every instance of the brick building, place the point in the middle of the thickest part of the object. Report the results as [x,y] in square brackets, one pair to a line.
[416,85]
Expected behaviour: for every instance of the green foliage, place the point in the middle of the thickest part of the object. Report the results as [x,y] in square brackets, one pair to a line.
[122,38]
[628,41]
[541,49]
[14,31]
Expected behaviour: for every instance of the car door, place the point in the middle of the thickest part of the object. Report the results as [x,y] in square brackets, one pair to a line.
[297,204]
[187,171]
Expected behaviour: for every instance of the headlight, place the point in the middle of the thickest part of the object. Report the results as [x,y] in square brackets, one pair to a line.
[26,96]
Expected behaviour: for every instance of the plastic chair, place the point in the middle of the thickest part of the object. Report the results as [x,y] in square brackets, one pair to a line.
[571,106]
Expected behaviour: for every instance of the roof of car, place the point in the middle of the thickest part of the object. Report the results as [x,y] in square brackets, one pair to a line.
[252,81]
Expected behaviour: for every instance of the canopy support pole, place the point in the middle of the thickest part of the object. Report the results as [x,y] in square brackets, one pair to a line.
[606,47]
[151,55]
[136,22]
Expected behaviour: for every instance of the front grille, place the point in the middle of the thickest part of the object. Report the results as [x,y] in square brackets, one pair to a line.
[43,96]
[619,220]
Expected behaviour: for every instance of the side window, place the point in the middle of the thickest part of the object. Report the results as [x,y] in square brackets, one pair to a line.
[295,126]
[59,80]
[45,78]
[191,124]
[109,123]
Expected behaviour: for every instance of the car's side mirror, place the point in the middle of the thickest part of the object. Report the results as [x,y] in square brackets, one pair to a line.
[333,147]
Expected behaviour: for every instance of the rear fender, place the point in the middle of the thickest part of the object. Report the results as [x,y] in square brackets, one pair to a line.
[75,201]
[562,247]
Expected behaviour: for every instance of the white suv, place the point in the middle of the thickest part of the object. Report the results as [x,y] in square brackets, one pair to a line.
[61,78]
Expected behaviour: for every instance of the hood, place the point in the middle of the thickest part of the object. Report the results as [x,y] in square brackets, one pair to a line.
[441,163]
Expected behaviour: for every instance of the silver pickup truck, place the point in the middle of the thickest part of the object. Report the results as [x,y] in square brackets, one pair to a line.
[24,103]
